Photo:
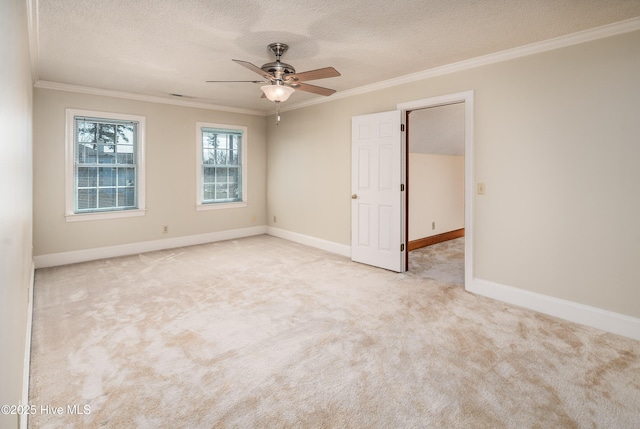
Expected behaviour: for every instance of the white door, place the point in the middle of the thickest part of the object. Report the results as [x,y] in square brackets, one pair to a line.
[377,187]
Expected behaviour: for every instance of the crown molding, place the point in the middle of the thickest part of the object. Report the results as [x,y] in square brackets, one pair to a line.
[43,84]
[584,36]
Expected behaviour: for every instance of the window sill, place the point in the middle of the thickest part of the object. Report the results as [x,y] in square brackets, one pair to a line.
[79,217]
[221,206]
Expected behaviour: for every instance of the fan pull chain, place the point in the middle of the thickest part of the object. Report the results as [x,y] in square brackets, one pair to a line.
[277,112]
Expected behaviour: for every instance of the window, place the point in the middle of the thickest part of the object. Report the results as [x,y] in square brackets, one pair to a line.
[105,165]
[221,161]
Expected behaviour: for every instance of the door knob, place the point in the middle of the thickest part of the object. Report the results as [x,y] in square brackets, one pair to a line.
[354,196]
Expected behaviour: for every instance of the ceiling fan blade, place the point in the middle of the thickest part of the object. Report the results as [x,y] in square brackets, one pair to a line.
[235,81]
[315,74]
[255,69]
[312,88]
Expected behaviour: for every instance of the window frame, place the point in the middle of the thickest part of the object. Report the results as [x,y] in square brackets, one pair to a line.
[200,204]
[70,171]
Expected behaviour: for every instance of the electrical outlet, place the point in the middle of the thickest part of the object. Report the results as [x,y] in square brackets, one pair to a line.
[165,229]
[274,219]
[433,225]
[481,189]
[253,218]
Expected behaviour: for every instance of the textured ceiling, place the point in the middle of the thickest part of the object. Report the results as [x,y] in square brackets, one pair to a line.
[437,130]
[160,47]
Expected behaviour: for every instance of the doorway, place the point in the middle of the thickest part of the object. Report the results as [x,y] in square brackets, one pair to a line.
[435,174]
[435,191]
[439,120]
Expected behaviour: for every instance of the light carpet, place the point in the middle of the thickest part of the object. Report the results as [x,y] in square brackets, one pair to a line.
[265,333]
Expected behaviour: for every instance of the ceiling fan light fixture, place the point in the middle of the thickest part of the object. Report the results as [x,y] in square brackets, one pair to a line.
[277,93]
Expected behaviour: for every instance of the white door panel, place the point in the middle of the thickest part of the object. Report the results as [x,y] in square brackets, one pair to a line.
[377,211]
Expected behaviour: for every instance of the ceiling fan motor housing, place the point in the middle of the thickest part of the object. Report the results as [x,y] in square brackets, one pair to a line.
[278,69]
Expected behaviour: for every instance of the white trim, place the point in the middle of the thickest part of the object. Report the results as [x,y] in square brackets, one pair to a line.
[74,256]
[568,310]
[469,203]
[69,153]
[307,240]
[584,36]
[26,374]
[79,217]
[140,97]
[221,206]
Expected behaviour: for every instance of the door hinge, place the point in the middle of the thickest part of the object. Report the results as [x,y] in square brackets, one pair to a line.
[401,127]
[402,187]
[402,247]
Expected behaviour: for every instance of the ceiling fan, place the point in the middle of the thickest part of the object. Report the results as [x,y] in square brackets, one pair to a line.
[281,78]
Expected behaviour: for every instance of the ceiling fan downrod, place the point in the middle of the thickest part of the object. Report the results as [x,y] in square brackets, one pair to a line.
[278,49]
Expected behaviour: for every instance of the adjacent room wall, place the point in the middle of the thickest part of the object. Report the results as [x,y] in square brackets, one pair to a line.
[556,143]
[15,209]
[170,175]
[436,194]
[436,140]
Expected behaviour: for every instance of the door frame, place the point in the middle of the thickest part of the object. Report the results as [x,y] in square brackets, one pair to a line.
[467,98]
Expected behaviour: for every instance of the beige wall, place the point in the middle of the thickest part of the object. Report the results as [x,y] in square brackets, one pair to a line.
[170,175]
[556,143]
[436,194]
[15,209]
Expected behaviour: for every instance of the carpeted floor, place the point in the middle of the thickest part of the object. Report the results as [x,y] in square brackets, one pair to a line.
[266,333]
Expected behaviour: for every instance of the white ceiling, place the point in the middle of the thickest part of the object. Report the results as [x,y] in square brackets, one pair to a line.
[163,47]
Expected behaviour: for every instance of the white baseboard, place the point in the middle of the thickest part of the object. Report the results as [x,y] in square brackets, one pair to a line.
[568,310]
[26,373]
[72,257]
[307,240]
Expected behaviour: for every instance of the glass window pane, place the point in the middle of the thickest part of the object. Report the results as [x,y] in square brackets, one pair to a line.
[107,176]
[221,192]
[208,156]
[125,134]
[106,148]
[86,154]
[209,175]
[124,154]
[106,154]
[233,175]
[221,157]
[208,192]
[86,199]
[87,177]
[233,157]
[86,131]
[126,176]
[106,197]
[126,197]
[124,158]
[106,133]
[221,174]
[233,191]
[209,140]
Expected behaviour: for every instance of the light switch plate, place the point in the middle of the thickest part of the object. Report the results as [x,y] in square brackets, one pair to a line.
[481,189]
